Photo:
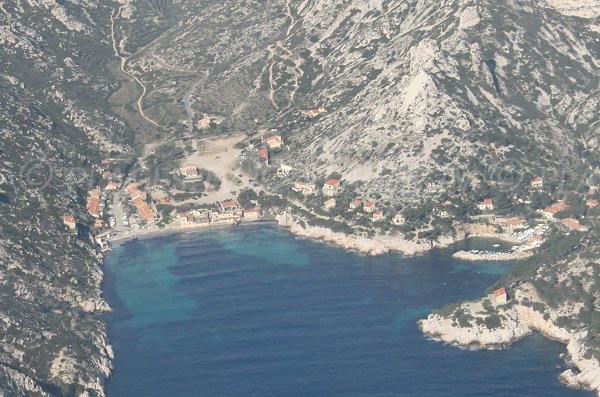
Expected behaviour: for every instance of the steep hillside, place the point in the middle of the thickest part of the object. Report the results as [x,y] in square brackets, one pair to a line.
[54,120]
[415,91]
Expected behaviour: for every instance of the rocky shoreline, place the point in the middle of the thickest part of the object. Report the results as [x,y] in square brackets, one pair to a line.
[381,244]
[492,256]
[517,320]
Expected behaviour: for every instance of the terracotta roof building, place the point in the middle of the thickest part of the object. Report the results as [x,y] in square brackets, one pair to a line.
[70,222]
[573,224]
[331,187]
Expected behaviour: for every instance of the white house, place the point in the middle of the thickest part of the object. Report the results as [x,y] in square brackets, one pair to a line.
[331,187]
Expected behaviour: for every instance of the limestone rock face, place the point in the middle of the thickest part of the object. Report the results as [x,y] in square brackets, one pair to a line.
[466,326]
[413,90]
[469,17]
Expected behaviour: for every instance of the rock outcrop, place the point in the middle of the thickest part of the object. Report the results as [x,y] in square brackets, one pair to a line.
[375,245]
[481,324]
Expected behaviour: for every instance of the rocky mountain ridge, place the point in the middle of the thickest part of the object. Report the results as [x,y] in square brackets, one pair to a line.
[415,92]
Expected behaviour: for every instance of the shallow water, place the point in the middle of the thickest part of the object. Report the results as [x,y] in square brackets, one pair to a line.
[255,312]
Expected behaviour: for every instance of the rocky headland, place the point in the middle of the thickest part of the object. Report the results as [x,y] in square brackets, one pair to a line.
[483,324]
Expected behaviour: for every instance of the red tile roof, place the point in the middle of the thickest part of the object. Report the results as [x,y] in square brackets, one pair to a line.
[499,292]
[132,188]
[273,138]
[69,219]
[556,208]
[263,154]
[332,182]
[592,203]
[93,206]
[143,208]
[573,224]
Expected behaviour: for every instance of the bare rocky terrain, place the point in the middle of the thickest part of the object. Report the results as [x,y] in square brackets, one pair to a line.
[416,92]
[420,96]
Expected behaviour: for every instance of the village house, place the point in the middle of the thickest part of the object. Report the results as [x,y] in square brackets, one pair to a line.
[573,224]
[207,120]
[252,214]
[194,218]
[274,141]
[93,203]
[551,211]
[537,182]
[263,155]
[98,223]
[369,206]
[378,215]
[534,242]
[399,219]
[314,112]
[229,206]
[284,170]
[307,189]
[592,203]
[329,204]
[500,297]
[331,187]
[144,210]
[513,223]
[70,222]
[112,186]
[134,192]
[189,171]
[354,204]
[486,205]
[203,123]
[226,217]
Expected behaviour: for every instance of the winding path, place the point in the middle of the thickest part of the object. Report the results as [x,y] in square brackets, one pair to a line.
[288,55]
[123,68]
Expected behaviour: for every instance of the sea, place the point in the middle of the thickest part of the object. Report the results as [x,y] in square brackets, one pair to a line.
[255,311]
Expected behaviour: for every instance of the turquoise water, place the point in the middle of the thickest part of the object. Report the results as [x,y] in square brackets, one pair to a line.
[255,312]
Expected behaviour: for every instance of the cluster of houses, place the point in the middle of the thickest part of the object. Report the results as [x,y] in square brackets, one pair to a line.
[226,212]
[331,188]
[550,213]
[263,150]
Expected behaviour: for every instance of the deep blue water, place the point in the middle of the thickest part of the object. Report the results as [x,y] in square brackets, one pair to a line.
[256,312]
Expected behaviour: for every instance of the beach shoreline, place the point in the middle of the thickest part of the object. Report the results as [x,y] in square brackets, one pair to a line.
[371,246]
[147,234]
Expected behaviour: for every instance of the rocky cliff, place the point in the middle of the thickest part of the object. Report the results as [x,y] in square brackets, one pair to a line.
[370,245]
[54,122]
[534,306]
